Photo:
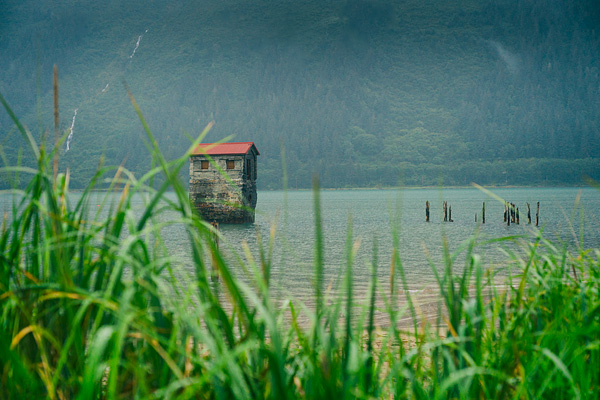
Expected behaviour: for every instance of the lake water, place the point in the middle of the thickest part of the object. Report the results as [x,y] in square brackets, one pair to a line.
[373,215]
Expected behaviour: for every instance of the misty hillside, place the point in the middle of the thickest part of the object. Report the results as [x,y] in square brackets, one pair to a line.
[364,92]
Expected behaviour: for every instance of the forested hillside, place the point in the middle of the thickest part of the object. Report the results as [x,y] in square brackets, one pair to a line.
[364,92]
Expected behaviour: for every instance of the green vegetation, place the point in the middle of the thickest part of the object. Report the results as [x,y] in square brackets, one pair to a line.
[363,92]
[90,309]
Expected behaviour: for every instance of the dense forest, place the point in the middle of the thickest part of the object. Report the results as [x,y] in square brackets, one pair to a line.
[366,93]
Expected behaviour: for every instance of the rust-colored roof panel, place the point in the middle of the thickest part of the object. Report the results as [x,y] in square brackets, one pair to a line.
[213,149]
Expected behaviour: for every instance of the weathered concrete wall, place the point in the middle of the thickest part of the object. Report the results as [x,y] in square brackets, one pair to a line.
[218,200]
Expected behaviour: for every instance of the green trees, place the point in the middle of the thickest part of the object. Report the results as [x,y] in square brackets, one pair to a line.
[353,89]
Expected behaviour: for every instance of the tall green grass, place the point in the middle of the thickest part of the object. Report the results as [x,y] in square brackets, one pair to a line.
[90,310]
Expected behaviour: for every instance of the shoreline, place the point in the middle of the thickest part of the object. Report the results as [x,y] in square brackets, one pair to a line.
[471,186]
[434,187]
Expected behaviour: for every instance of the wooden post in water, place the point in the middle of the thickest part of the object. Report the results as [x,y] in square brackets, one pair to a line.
[427,211]
[537,214]
[507,213]
[517,215]
[505,210]
[450,215]
[528,214]
[483,213]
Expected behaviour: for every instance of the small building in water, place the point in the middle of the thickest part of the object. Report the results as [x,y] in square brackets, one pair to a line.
[217,198]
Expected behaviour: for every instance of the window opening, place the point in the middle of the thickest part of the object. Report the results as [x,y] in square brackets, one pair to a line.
[204,164]
[230,164]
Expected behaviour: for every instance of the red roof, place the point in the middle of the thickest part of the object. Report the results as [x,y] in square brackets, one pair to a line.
[213,149]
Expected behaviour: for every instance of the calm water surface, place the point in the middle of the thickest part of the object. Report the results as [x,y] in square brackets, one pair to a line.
[373,214]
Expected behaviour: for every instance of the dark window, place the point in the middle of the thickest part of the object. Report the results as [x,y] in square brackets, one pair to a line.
[248,170]
[204,164]
[230,164]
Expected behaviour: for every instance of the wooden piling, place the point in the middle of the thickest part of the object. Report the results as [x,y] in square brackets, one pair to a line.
[483,213]
[537,214]
[528,214]
[450,215]
[517,215]
[427,211]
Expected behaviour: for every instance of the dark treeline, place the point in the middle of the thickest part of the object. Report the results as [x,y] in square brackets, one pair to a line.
[364,92]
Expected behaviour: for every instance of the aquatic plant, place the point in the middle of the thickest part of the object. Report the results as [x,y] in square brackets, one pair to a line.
[90,308]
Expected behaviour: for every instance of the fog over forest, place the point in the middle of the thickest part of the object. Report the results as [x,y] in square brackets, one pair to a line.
[366,93]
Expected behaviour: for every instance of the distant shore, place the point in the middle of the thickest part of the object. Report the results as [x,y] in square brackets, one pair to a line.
[437,187]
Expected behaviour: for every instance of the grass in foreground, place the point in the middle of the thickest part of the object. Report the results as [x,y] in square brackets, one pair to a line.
[84,314]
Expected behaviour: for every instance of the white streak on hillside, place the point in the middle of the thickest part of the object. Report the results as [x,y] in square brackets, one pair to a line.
[71,129]
[137,44]
[105,88]
[512,61]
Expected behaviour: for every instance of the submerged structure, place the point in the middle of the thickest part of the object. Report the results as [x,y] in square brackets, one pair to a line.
[217,198]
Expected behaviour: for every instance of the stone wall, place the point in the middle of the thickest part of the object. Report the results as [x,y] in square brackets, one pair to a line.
[218,200]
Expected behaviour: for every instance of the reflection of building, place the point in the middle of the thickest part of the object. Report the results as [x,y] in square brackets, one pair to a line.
[216,198]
